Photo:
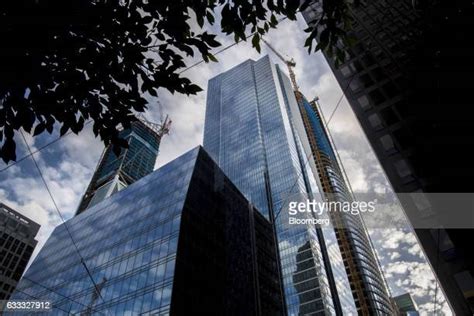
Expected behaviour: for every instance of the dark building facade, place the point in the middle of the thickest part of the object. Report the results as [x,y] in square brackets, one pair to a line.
[227,251]
[17,242]
[113,173]
[408,80]
[178,240]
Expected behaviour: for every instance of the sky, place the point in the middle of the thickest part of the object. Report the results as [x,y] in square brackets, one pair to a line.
[68,164]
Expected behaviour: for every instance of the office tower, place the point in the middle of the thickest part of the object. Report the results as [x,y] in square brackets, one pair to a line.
[251,132]
[180,239]
[368,285]
[408,80]
[17,242]
[406,305]
[113,173]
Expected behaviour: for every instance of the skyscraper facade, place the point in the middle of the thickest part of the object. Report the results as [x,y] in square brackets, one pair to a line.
[250,134]
[368,285]
[113,173]
[178,240]
[17,242]
[408,83]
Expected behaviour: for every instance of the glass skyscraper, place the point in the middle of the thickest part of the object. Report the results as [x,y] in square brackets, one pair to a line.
[180,239]
[250,133]
[114,172]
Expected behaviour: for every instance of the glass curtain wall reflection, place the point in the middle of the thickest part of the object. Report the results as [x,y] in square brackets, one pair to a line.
[182,238]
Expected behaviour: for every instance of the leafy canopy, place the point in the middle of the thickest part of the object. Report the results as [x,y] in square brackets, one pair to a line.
[69,62]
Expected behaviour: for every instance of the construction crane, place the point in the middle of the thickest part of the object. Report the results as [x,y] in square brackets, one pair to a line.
[162,128]
[290,64]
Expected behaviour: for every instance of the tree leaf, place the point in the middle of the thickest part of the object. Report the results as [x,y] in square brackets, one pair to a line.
[96,59]
[256,42]
[212,58]
[39,129]
[193,89]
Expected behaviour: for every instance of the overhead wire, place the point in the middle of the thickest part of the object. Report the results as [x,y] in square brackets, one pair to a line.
[61,216]
[32,153]
[225,48]
[40,149]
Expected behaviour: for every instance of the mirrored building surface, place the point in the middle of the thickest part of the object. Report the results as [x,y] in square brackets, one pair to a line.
[182,238]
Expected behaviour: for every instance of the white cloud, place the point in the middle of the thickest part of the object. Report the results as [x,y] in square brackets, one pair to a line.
[355,171]
[66,175]
[395,255]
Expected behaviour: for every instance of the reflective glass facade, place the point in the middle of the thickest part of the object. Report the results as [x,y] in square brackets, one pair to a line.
[249,133]
[317,127]
[114,172]
[182,238]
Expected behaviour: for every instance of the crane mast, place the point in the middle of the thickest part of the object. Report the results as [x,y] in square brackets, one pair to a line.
[290,63]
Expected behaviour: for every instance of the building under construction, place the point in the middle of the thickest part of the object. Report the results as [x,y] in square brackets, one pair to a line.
[367,282]
[115,172]
[368,286]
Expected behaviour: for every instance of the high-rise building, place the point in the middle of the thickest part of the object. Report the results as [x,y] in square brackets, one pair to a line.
[406,305]
[113,173]
[178,240]
[248,133]
[368,285]
[408,82]
[17,242]
[251,132]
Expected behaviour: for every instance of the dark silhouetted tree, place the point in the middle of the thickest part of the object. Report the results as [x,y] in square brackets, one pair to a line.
[66,62]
